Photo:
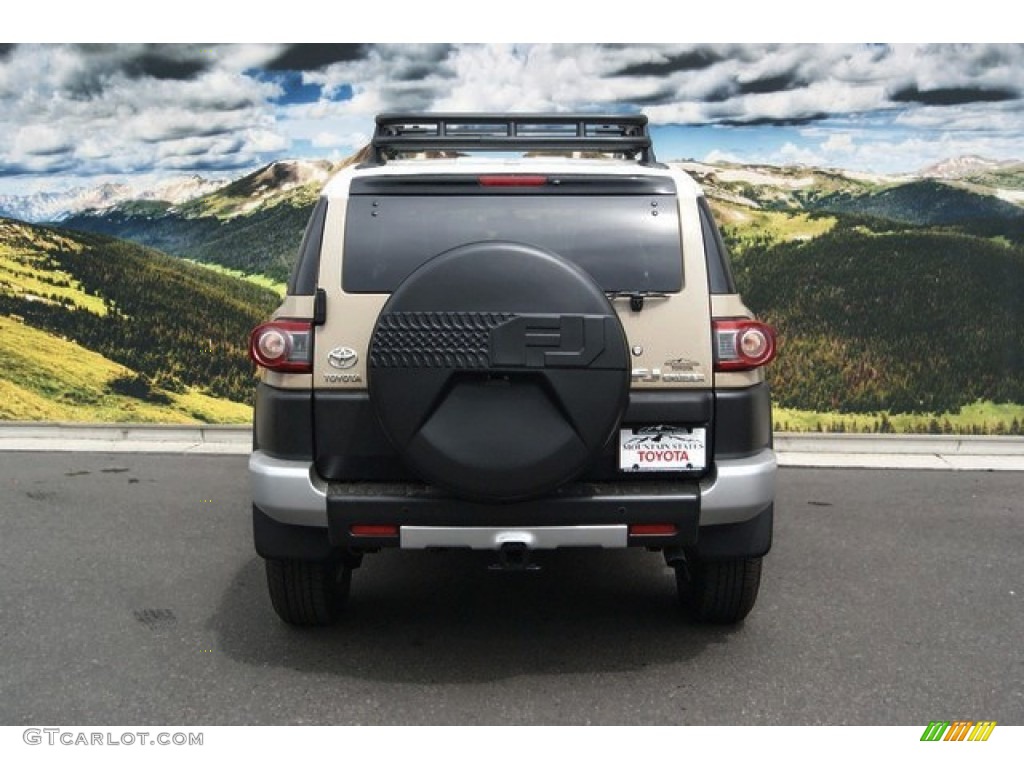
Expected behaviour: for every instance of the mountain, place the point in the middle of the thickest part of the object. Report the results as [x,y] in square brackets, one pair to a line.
[985,198]
[161,333]
[773,187]
[904,320]
[282,181]
[961,167]
[1007,182]
[891,293]
[926,202]
[57,206]
[804,187]
[253,224]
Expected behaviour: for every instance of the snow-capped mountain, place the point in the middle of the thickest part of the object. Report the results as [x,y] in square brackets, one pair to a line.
[56,206]
[961,167]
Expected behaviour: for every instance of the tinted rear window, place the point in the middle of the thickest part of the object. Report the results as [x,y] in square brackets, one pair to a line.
[625,242]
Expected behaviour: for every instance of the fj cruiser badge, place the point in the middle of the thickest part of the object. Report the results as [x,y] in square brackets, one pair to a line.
[678,370]
[342,357]
[683,369]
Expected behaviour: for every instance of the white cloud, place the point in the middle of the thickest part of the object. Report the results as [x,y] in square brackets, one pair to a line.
[133,109]
[838,142]
[329,140]
[791,154]
[719,156]
[125,108]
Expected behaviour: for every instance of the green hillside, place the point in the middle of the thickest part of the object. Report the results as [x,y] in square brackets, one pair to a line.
[744,227]
[928,203]
[47,378]
[906,321]
[253,225]
[891,298]
[264,241]
[174,330]
[1007,177]
[779,188]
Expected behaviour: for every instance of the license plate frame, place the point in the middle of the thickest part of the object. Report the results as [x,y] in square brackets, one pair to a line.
[662,448]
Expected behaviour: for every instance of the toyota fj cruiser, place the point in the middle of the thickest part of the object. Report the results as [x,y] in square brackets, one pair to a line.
[512,332]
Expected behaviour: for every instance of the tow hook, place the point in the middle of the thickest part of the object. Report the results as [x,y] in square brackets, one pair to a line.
[514,556]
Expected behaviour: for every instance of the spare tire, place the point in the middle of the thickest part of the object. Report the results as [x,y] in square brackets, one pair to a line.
[498,370]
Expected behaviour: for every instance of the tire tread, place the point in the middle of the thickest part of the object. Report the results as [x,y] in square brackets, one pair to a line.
[307,593]
[720,591]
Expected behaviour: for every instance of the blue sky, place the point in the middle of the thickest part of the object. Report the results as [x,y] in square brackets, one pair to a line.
[81,114]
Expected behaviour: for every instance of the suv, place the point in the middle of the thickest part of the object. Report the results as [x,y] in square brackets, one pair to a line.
[512,332]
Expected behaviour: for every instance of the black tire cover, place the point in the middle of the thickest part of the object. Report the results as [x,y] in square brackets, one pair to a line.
[498,370]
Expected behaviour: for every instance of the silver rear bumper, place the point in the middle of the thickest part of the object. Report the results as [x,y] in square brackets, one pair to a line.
[292,493]
[541,537]
[739,490]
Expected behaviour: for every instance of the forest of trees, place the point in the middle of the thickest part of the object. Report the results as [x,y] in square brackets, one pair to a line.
[904,320]
[264,242]
[874,316]
[173,323]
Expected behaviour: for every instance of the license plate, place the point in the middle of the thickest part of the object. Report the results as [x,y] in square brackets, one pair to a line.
[662,449]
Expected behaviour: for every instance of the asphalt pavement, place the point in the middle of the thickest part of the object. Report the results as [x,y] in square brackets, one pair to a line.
[131,594]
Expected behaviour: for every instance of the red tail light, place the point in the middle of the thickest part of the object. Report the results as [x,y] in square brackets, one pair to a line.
[283,345]
[518,180]
[742,345]
[652,529]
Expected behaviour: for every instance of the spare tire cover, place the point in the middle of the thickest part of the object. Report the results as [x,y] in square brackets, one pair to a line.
[498,370]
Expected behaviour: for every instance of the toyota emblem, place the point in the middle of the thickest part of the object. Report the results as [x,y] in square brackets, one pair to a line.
[342,357]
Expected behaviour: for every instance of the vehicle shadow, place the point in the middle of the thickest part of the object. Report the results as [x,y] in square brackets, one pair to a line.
[444,617]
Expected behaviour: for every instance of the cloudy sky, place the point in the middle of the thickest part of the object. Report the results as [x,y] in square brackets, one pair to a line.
[77,114]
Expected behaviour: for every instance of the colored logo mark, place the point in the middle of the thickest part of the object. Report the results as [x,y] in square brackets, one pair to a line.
[958,730]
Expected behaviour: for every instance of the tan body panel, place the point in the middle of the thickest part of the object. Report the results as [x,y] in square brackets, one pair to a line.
[668,336]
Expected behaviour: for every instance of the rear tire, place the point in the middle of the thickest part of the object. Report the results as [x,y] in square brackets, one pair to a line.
[719,591]
[308,594]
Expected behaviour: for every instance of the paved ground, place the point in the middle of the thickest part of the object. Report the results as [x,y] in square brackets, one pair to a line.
[130,593]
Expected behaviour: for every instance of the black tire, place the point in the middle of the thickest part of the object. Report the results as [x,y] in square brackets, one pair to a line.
[308,594]
[719,591]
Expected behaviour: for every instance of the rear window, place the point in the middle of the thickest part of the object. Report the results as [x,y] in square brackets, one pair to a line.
[625,242]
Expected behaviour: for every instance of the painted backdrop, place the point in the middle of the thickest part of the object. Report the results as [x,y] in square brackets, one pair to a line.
[152,199]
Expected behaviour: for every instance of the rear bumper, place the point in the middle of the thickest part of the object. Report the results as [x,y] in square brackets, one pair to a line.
[290,492]
[408,509]
[541,537]
[739,489]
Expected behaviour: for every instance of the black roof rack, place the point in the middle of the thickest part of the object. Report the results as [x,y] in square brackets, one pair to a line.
[425,131]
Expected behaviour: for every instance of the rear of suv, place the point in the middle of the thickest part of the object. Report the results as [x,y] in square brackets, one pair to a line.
[512,333]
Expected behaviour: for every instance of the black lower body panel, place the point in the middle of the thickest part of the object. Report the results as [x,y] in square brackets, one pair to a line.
[281,541]
[751,538]
[397,504]
[351,446]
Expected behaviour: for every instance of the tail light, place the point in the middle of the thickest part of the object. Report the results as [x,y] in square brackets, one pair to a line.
[652,529]
[283,345]
[742,345]
[512,180]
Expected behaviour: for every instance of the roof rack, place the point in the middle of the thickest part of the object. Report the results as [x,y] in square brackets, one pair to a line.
[424,131]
